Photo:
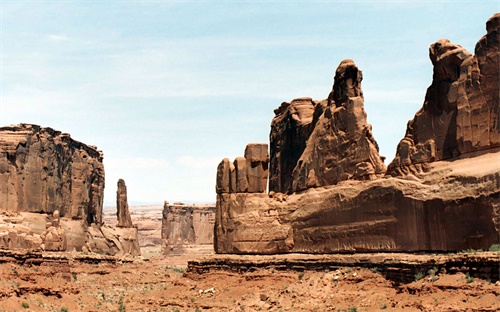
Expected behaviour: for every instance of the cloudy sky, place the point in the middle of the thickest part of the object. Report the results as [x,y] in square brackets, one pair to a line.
[168,88]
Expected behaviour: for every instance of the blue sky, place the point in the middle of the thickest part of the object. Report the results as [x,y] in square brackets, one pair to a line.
[168,88]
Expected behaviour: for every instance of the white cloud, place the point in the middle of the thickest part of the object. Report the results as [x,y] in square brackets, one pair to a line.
[57,38]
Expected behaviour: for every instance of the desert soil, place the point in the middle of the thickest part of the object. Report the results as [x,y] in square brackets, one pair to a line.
[160,283]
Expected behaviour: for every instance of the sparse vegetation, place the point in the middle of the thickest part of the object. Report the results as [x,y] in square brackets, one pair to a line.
[469,278]
[121,305]
[383,306]
[75,277]
[175,269]
[25,305]
[495,247]
[301,275]
[374,270]
[352,309]
[419,276]
[64,309]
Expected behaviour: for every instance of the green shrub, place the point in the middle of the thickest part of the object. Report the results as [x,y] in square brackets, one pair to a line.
[352,309]
[301,275]
[419,276]
[469,278]
[495,247]
[25,305]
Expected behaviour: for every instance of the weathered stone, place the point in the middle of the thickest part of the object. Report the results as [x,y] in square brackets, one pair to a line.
[257,160]
[460,114]
[54,237]
[43,170]
[453,207]
[290,130]
[187,226]
[122,211]
[223,184]
[341,145]
[246,174]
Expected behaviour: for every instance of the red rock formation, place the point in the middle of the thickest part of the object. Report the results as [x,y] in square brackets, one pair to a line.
[452,206]
[246,174]
[43,170]
[322,143]
[290,130]
[461,109]
[187,226]
[122,212]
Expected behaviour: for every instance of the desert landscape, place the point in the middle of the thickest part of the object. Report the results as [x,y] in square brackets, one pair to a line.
[311,221]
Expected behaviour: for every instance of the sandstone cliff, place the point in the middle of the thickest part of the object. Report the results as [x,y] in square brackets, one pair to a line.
[44,170]
[461,109]
[51,193]
[187,226]
[441,193]
[322,143]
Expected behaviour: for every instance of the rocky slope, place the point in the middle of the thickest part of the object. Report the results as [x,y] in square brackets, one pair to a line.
[441,192]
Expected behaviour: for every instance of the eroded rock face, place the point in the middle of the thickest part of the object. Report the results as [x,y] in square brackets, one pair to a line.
[455,206]
[290,130]
[44,170]
[461,109]
[187,226]
[122,211]
[246,174]
[317,144]
[338,198]
[51,192]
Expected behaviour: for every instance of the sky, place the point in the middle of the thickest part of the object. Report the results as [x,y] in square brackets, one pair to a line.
[167,89]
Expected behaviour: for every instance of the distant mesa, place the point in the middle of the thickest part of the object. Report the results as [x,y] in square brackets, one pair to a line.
[187,227]
[329,190]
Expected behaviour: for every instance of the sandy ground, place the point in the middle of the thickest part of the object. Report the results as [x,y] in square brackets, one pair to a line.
[160,283]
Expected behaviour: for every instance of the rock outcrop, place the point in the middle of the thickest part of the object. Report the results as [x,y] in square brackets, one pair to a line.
[321,143]
[187,226]
[51,194]
[122,211]
[43,170]
[460,114]
[441,192]
[246,174]
[54,237]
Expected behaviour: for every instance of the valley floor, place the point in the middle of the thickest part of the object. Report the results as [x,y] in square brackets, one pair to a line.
[156,284]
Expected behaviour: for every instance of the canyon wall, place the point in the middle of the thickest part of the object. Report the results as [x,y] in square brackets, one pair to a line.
[329,189]
[51,194]
[44,170]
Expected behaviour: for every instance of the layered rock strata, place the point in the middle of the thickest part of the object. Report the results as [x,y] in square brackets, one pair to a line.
[442,191]
[187,226]
[122,211]
[51,194]
[246,174]
[320,143]
[461,109]
[43,170]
